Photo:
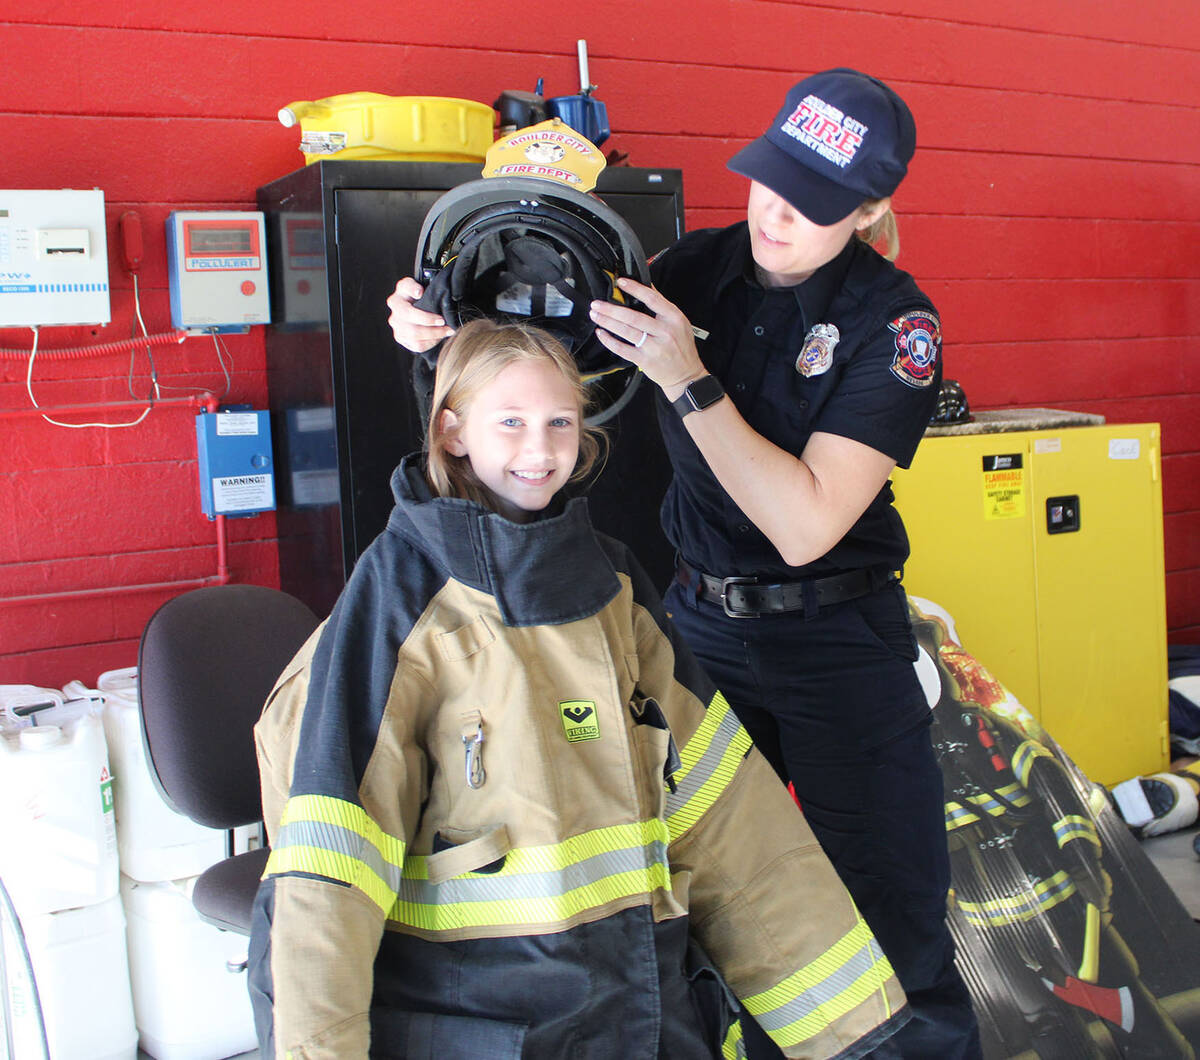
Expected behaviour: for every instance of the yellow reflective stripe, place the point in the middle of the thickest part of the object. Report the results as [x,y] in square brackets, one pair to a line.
[324,809]
[1025,756]
[317,862]
[708,762]
[850,972]
[988,804]
[1016,908]
[957,816]
[1073,826]
[323,836]
[556,856]
[733,1048]
[531,911]
[543,886]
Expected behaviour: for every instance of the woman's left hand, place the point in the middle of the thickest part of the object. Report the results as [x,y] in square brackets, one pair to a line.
[661,345]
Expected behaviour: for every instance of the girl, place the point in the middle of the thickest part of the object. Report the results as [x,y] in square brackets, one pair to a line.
[506,807]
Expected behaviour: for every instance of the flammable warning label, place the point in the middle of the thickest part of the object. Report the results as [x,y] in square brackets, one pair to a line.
[1003,486]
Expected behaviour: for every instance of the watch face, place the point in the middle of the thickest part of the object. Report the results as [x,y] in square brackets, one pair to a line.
[706,391]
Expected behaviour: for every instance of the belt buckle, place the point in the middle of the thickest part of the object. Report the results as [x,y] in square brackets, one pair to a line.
[737,580]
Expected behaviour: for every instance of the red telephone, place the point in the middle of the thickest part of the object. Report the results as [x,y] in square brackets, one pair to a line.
[130,227]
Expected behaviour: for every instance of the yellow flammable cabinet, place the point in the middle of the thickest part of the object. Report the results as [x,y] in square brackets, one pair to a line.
[1046,547]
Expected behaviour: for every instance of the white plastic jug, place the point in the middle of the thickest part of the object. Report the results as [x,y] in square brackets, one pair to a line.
[155,843]
[79,962]
[187,1003]
[23,706]
[58,844]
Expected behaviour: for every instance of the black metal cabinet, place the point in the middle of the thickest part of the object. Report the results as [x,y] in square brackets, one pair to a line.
[340,234]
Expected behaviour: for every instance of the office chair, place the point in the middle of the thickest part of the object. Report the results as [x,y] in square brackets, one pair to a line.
[206,663]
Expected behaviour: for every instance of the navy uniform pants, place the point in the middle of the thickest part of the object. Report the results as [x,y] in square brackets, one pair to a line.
[833,702]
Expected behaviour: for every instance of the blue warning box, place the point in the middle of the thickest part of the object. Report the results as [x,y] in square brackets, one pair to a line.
[237,471]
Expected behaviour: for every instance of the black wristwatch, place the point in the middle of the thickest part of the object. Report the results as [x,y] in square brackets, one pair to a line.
[698,395]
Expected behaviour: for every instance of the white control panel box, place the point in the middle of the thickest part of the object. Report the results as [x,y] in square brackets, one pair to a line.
[217,267]
[53,258]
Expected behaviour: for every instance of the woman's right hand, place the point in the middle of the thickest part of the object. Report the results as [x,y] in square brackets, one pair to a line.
[414,328]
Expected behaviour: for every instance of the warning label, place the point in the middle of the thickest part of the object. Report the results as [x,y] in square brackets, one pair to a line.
[235,423]
[243,493]
[106,791]
[1003,486]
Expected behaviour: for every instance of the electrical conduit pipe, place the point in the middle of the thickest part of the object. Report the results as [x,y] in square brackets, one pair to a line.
[220,578]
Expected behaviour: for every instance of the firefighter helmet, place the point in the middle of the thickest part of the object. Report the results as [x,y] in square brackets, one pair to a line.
[531,250]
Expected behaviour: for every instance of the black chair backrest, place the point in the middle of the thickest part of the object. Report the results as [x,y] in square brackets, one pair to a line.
[206,663]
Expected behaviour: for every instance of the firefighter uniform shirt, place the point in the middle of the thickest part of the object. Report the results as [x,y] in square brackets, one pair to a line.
[854,351]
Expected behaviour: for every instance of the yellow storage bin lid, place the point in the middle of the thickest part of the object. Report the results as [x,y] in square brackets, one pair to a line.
[413,128]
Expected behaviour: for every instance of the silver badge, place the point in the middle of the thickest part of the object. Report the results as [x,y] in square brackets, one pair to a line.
[817,353]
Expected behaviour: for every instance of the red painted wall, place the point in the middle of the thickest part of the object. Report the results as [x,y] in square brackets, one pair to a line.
[1051,210]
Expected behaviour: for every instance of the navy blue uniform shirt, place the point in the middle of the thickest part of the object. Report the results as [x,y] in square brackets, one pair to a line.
[879,389]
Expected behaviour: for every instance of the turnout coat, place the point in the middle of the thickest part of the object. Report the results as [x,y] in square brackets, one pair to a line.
[511,817]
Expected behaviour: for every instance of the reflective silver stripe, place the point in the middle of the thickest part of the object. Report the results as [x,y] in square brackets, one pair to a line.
[831,986]
[511,883]
[1019,907]
[994,807]
[1024,757]
[986,802]
[338,840]
[1073,827]
[729,736]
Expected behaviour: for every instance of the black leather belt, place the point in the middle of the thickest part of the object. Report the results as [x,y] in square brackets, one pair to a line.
[751,598]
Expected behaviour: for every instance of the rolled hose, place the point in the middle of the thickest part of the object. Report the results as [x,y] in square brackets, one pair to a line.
[101,349]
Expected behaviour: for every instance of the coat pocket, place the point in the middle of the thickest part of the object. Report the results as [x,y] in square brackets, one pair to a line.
[484,853]
[655,749]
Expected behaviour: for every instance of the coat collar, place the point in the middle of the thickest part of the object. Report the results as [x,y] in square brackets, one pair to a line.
[549,571]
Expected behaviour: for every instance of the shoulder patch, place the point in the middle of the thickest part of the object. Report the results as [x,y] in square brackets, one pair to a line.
[918,346]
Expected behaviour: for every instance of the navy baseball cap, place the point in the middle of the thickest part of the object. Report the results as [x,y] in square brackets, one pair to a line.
[841,138]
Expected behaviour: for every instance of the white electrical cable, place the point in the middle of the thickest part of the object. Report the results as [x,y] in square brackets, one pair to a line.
[220,346]
[137,308]
[58,423]
[223,356]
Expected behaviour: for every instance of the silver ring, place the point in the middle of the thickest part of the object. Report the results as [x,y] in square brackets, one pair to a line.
[638,345]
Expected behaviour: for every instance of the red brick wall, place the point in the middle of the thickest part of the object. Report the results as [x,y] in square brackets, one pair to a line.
[1052,211]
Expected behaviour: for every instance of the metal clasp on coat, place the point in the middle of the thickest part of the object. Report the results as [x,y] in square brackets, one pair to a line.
[472,738]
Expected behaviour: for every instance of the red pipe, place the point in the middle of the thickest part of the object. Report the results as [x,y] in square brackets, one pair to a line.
[109,590]
[100,349]
[204,399]
[222,577]
[222,553]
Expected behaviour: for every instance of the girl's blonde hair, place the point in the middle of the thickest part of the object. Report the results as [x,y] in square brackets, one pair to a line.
[884,231]
[478,352]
